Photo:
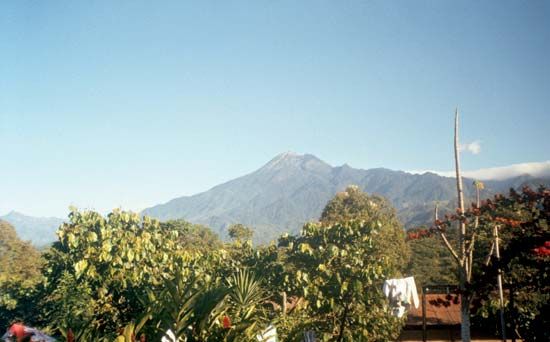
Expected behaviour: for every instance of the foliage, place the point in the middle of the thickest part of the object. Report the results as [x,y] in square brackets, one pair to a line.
[193,237]
[19,275]
[124,272]
[105,264]
[240,232]
[523,222]
[340,276]
[197,307]
[430,262]
[244,315]
[192,300]
[389,240]
[177,306]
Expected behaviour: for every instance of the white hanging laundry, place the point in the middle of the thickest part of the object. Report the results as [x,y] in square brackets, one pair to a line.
[412,292]
[401,292]
[268,335]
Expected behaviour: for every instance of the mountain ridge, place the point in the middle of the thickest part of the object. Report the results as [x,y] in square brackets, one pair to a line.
[292,189]
[40,231]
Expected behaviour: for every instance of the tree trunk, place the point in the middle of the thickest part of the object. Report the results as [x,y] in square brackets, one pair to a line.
[343,324]
[465,317]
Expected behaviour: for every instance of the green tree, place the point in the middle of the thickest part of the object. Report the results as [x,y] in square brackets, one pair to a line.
[389,242]
[339,274]
[240,232]
[99,268]
[522,220]
[193,237]
[20,266]
[430,262]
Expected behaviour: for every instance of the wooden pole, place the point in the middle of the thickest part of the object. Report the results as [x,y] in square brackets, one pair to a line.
[460,192]
[499,282]
[464,261]
[424,332]
[513,312]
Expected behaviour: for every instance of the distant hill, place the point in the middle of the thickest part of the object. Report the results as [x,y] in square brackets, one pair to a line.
[40,231]
[292,189]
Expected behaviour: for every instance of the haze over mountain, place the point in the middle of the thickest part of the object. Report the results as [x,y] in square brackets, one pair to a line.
[292,189]
[39,230]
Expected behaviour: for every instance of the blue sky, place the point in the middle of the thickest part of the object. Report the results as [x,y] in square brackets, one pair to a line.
[128,103]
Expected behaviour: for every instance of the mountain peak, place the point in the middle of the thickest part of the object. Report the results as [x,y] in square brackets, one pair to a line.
[287,155]
[293,188]
[293,159]
[14,213]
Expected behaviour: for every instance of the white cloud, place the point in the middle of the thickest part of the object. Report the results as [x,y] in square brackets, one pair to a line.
[537,169]
[474,147]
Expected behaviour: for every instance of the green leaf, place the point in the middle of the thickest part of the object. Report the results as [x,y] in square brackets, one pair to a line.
[80,266]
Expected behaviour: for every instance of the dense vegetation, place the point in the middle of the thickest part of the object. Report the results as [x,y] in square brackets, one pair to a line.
[19,274]
[522,221]
[124,271]
[105,273]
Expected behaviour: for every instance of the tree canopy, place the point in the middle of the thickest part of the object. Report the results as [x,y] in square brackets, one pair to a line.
[192,236]
[123,270]
[100,266]
[523,221]
[20,266]
[337,270]
[240,232]
[354,204]
[430,262]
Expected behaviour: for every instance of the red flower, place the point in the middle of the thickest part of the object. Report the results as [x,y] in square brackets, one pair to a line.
[542,251]
[70,335]
[226,322]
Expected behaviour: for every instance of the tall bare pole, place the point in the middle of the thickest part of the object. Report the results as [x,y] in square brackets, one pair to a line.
[464,260]
[499,282]
[460,192]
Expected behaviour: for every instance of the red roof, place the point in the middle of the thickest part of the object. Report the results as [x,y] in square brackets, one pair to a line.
[441,309]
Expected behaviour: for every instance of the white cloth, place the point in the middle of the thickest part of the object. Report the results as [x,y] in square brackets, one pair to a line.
[401,292]
[169,336]
[309,336]
[268,335]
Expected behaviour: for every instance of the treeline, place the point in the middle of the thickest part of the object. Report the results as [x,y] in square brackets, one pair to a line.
[125,272]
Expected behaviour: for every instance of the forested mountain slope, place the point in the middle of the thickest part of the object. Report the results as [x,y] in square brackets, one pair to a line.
[292,189]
